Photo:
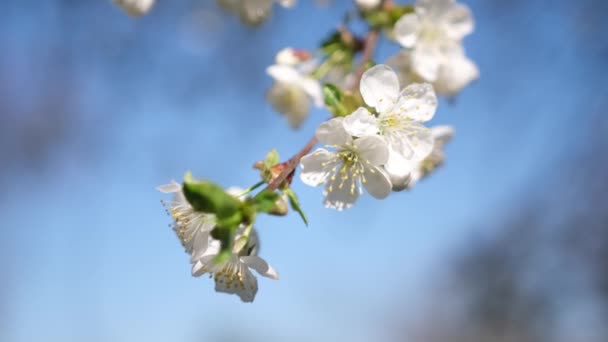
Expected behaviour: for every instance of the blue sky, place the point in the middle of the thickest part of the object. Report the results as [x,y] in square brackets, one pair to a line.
[88,253]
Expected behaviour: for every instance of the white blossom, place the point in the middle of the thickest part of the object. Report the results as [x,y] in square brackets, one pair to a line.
[234,276]
[456,73]
[253,11]
[441,136]
[135,8]
[354,164]
[293,92]
[434,33]
[191,227]
[399,120]
[368,4]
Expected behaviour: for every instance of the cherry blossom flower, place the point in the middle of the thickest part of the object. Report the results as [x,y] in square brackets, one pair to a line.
[399,120]
[354,164]
[434,33]
[234,276]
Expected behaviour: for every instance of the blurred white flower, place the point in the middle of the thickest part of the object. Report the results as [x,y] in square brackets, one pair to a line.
[135,8]
[192,227]
[399,121]
[253,12]
[355,163]
[441,135]
[293,92]
[368,4]
[434,33]
[456,73]
[234,276]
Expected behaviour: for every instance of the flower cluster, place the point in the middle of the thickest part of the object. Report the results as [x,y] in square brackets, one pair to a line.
[376,140]
[432,36]
[378,152]
[193,228]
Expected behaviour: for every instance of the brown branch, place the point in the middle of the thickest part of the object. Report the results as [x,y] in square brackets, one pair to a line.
[289,167]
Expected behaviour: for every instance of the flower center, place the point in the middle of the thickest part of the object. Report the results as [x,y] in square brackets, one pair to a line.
[431,33]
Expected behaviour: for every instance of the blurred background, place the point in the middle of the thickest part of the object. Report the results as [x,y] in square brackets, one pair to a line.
[507,242]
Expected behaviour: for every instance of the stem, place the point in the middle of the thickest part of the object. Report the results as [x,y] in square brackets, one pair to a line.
[370,43]
[251,188]
[291,164]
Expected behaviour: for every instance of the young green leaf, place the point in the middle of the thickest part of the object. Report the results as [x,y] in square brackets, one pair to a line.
[333,100]
[295,204]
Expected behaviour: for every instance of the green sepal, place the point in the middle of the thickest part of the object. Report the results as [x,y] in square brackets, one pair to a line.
[295,204]
[272,159]
[208,197]
[265,200]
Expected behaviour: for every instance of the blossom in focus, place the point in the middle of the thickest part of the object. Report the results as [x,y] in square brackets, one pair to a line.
[135,8]
[441,135]
[234,276]
[293,91]
[354,163]
[399,120]
[253,12]
[191,227]
[368,4]
[434,33]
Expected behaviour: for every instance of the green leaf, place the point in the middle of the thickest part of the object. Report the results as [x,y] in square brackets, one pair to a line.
[333,100]
[295,204]
[225,235]
[272,159]
[208,197]
[265,201]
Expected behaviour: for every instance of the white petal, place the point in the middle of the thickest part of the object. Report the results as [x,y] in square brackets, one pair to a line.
[316,167]
[284,73]
[417,102]
[400,182]
[332,132]
[372,149]
[442,134]
[246,289]
[455,75]
[290,100]
[406,30]
[380,87]
[414,178]
[377,182]
[170,188]
[458,21]
[203,265]
[426,61]
[261,266]
[400,162]
[420,140]
[313,89]
[361,122]
[339,194]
